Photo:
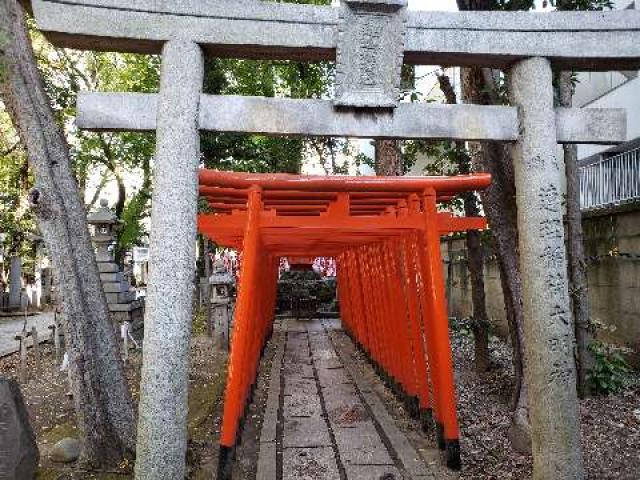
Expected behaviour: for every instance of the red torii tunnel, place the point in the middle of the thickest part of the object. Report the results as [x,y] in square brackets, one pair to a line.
[384,233]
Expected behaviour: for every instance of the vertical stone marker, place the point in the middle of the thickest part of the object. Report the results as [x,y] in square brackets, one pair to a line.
[548,324]
[18,449]
[162,429]
[15,282]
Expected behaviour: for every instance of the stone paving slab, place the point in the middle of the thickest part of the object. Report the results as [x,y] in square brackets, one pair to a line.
[270,419]
[362,446]
[295,385]
[372,472]
[302,405]
[306,432]
[309,464]
[267,463]
[407,455]
[303,370]
[329,377]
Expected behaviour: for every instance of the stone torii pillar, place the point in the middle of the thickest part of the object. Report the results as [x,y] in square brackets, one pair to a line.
[162,422]
[548,326]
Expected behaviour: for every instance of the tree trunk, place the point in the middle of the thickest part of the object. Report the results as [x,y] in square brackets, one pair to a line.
[578,285]
[102,400]
[388,158]
[499,205]
[480,322]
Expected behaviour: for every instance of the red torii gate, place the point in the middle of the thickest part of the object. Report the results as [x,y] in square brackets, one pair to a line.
[384,233]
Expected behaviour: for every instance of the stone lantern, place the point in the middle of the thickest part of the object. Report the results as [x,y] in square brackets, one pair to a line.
[121,299]
[105,224]
[221,298]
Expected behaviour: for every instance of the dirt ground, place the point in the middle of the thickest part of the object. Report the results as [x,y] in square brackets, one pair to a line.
[53,417]
[610,424]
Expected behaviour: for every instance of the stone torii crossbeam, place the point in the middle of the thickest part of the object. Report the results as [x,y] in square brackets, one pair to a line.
[369,39]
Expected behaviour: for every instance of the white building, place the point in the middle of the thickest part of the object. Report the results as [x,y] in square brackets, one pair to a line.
[611,176]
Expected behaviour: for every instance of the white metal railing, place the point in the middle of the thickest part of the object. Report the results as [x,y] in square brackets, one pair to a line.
[611,181]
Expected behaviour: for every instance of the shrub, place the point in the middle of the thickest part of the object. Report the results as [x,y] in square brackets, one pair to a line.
[610,371]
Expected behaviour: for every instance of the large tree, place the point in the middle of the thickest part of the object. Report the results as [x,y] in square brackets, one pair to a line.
[103,403]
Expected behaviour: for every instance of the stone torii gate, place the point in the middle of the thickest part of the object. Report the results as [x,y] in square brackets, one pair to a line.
[369,39]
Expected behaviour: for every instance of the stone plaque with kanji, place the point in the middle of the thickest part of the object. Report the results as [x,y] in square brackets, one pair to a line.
[369,56]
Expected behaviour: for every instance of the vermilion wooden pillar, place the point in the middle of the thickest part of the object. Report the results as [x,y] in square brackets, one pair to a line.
[439,331]
[417,333]
[240,344]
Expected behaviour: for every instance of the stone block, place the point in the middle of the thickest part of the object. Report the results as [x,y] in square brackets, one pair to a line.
[19,453]
[113,287]
[587,40]
[107,267]
[120,307]
[126,297]
[120,317]
[104,257]
[111,277]
[112,298]
[137,112]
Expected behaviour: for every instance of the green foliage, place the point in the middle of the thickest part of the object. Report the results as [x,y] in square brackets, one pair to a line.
[16,219]
[305,284]
[580,4]
[258,153]
[462,326]
[279,78]
[610,371]
[132,228]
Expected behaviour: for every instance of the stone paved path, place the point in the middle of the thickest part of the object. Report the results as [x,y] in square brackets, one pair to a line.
[9,326]
[323,421]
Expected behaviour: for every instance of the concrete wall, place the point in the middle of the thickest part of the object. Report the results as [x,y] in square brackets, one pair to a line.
[612,241]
